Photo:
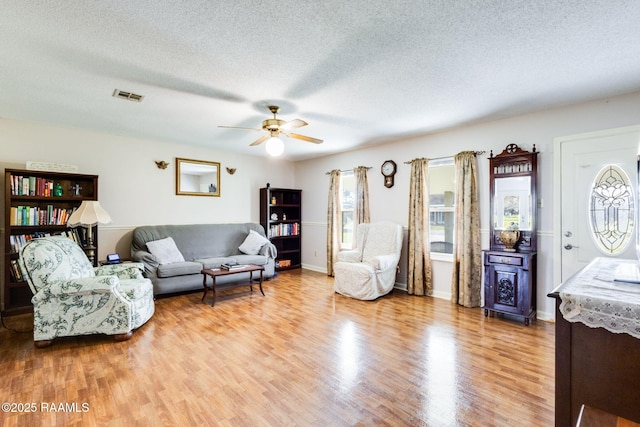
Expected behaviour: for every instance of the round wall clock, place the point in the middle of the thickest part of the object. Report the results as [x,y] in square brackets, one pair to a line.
[388,169]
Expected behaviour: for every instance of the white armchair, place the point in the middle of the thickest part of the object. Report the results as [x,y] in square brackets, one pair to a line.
[369,271]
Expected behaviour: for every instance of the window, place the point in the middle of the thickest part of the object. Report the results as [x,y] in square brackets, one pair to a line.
[611,210]
[442,173]
[441,205]
[347,200]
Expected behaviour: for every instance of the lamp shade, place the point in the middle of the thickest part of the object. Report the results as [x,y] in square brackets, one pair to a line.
[88,214]
[275,146]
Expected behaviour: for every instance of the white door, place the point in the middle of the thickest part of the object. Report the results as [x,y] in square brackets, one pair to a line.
[583,157]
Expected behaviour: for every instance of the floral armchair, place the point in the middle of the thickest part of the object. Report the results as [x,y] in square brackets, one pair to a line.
[71,297]
[369,271]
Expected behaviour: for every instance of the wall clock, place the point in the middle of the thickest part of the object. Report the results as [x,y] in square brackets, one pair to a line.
[388,169]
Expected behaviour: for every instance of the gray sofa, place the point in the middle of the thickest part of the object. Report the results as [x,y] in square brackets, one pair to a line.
[202,246]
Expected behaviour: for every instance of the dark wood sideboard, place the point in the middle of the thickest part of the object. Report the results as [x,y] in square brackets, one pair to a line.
[594,367]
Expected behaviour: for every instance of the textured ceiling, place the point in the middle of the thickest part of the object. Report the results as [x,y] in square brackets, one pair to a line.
[359,72]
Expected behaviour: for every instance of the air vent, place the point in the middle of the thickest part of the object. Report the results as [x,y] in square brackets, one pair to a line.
[128,95]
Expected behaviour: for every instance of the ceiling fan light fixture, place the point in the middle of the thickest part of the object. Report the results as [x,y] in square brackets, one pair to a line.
[275,146]
[275,127]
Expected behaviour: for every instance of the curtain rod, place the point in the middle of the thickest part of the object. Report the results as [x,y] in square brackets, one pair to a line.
[475,153]
[347,170]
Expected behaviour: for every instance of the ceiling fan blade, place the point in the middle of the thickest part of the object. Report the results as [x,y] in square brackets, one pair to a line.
[260,140]
[304,138]
[238,127]
[296,123]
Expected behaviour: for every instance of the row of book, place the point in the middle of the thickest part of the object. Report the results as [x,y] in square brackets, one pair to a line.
[17,241]
[31,186]
[35,215]
[279,230]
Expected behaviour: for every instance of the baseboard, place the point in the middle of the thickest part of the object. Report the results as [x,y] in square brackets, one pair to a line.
[314,268]
[546,317]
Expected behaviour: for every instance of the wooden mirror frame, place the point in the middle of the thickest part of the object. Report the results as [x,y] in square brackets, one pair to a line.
[197,178]
[515,162]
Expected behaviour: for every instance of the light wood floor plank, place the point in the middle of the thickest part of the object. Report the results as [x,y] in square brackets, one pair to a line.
[300,356]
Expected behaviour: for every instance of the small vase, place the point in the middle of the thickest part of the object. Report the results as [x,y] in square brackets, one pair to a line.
[509,238]
[57,190]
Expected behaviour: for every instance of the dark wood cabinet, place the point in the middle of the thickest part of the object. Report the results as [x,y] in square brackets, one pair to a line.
[594,366]
[510,284]
[510,262]
[280,215]
[38,203]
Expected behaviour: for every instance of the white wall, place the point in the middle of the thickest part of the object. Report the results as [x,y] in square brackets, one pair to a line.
[392,204]
[135,192]
[131,187]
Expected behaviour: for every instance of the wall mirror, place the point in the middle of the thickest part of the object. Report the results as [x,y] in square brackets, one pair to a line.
[513,197]
[197,178]
[512,203]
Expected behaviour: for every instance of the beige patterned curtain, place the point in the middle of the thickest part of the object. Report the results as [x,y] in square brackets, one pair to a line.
[466,281]
[334,220]
[361,214]
[419,281]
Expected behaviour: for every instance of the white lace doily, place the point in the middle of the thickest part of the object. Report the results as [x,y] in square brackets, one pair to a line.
[594,298]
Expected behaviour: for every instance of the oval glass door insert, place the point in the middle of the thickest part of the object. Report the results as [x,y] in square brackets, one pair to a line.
[611,210]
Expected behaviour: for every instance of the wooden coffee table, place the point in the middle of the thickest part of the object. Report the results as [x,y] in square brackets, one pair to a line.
[217,272]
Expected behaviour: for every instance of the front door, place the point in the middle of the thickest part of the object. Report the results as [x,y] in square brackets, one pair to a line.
[592,227]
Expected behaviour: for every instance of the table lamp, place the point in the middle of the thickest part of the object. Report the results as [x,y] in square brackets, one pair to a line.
[89,213]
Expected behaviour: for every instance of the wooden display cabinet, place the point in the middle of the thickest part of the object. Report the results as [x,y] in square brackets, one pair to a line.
[280,215]
[510,263]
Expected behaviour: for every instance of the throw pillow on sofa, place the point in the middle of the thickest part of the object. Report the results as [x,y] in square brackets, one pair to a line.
[165,250]
[252,243]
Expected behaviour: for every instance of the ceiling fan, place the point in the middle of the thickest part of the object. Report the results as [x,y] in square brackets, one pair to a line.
[275,127]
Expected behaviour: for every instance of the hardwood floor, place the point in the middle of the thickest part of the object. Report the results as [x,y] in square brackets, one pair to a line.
[299,356]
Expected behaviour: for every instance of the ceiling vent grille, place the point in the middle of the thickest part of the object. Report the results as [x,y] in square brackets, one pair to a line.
[128,95]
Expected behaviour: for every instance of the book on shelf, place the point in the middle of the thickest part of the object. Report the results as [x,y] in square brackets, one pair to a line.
[17,241]
[35,215]
[15,272]
[284,229]
[31,186]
